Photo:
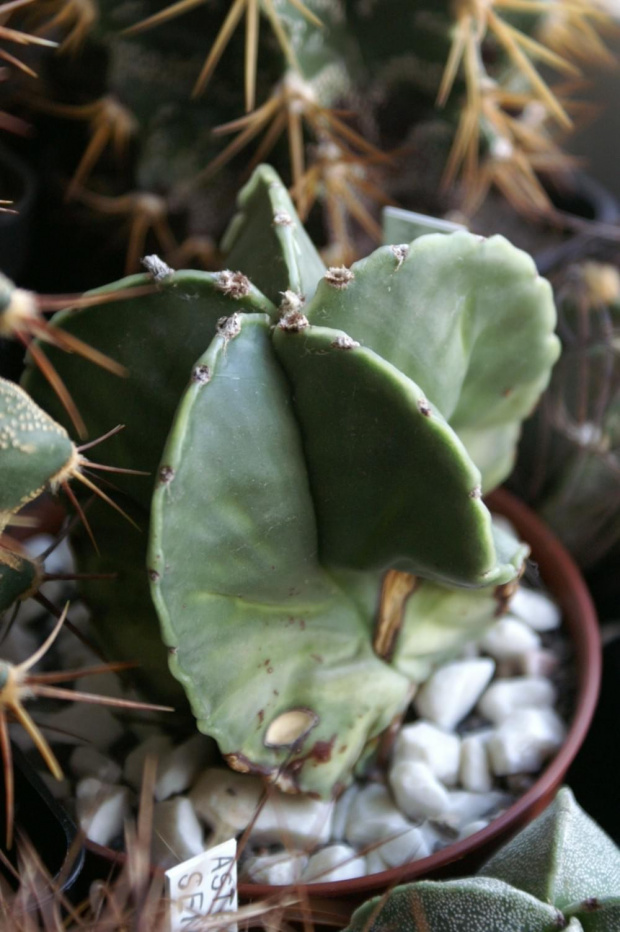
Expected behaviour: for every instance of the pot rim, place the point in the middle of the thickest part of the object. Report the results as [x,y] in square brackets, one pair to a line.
[560,575]
[579,616]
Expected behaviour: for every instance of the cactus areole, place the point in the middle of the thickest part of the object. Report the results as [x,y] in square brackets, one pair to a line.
[318,536]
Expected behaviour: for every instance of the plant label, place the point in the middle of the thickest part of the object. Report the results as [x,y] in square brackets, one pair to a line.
[202,887]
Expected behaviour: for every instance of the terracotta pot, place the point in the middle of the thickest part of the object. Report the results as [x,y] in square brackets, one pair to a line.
[333,903]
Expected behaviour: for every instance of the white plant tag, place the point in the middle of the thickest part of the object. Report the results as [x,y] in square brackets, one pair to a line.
[202,886]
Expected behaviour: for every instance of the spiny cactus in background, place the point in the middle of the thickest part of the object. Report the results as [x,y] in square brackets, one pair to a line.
[36,454]
[569,465]
[346,82]
[324,455]
[561,872]
[12,64]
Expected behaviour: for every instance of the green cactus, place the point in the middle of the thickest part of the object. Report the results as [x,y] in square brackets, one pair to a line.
[36,451]
[20,577]
[561,872]
[315,447]
[568,463]
[387,64]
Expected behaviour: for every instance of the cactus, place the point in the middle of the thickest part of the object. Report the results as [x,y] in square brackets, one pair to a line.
[36,454]
[568,466]
[308,449]
[561,872]
[137,107]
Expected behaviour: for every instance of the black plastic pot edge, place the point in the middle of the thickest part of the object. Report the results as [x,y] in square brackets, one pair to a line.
[43,821]
[604,208]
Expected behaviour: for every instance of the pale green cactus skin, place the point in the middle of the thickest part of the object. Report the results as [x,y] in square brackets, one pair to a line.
[19,577]
[306,456]
[561,872]
[35,452]
[266,240]
[34,449]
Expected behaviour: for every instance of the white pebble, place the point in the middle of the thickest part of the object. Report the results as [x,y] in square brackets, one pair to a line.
[155,746]
[436,836]
[281,869]
[508,639]
[540,662]
[177,833]
[60,560]
[371,815]
[472,828]
[425,742]
[223,798]
[336,862]
[178,768]
[535,609]
[342,808]
[374,862]
[465,807]
[525,740]
[504,697]
[453,690]
[293,820]
[410,845]
[475,773]
[74,652]
[417,790]
[101,809]
[80,723]
[89,762]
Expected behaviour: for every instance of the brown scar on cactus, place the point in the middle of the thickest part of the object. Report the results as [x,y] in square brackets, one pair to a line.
[233,284]
[396,589]
[339,276]
[504,593]
[424,407]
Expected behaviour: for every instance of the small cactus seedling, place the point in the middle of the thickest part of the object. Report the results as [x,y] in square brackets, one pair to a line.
[561,872]
[318,500]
